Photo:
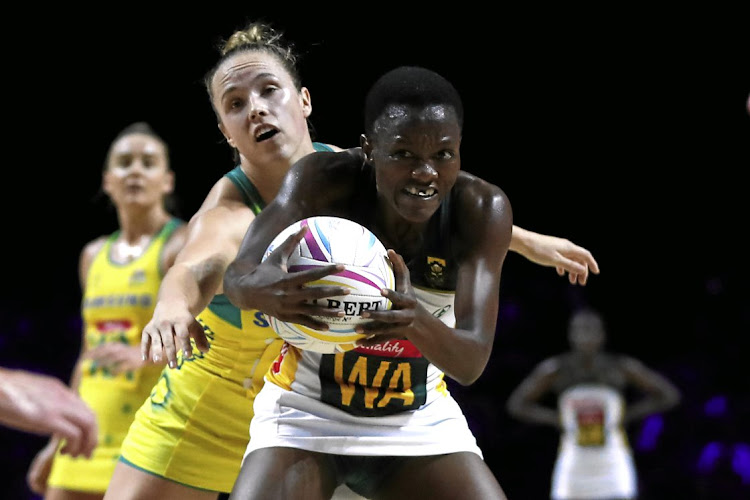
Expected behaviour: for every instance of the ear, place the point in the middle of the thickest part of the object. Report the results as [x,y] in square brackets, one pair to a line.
[225,134]
[306,101]
[366,145]
[107,183]
[168,186]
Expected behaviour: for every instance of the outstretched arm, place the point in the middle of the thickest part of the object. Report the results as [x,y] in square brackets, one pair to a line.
[317,180]
[551,251]
[190,284]
[45,405]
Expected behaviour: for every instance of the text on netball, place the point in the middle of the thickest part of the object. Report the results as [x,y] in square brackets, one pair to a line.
[352,308]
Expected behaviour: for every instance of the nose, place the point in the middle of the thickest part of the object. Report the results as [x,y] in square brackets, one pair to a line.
[424,172]
[256,107]
[137,166]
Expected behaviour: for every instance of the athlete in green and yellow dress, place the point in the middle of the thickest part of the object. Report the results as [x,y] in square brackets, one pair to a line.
[120,275]
[190,435]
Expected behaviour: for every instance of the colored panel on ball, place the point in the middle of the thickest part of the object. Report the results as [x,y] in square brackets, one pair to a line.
[322,235]
[345,274]
[358,277]
[312,244]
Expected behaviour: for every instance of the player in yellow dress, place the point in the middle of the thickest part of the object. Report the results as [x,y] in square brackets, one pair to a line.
[120,275]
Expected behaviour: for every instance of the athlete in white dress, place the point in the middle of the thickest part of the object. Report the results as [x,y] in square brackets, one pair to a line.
[379,418]
[594,460]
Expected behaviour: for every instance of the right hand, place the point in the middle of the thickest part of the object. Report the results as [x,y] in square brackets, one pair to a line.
[117,357]
[43,404]
[171,328]
[41,466]
[285,295]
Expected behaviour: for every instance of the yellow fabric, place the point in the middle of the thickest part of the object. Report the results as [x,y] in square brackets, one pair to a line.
[195,426]
[119,300]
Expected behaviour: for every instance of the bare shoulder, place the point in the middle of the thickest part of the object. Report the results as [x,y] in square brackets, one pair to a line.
[339,158]
[473,190]
[333,147]
[548,367]
[92,248]
[87,255]
[222,193]
[227,219]
[485,210]
[329,175]
[631,364]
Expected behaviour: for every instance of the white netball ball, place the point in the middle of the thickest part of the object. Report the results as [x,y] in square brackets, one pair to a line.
[334,240]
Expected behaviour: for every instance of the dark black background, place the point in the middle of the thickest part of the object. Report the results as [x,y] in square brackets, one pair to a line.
[626,132]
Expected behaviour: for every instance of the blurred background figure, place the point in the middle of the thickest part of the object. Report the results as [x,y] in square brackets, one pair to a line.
[120,274]
[594,458]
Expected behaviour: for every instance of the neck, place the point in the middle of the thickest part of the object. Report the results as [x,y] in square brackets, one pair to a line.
[136,226]
[403,235]
[267,177]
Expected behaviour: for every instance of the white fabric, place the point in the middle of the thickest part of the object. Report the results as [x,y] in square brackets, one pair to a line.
[285,418]
[594,460]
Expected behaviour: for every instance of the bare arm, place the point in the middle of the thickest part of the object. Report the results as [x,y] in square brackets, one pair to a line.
[461,350]
[267,286]
[524,401]
[551,251]
[660,393]
[44,405]
[214,235]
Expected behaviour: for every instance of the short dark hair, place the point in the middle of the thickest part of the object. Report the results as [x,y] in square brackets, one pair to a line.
[413,86]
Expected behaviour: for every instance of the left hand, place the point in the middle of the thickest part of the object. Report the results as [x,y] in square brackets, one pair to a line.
[117,357]
[564,255]
[394,323]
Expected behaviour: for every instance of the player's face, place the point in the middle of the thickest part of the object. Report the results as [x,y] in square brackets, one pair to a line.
[586,333]
[416,155]
[137,172]
[262,113]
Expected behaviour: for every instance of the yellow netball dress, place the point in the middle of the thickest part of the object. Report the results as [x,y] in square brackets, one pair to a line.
[194,428]
[118,301]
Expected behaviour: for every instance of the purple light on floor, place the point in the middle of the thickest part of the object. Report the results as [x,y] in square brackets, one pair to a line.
[650,431]
[716,406]
[741,461]
[709,456]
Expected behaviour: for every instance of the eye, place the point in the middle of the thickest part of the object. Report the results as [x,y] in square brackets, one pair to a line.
[270,90]
[401,154]
[445,154]
[123,161]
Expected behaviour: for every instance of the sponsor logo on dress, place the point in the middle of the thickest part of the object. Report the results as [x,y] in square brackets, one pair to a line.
[391,349]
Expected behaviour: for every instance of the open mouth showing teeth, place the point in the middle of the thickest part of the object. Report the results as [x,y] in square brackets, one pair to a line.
[266,135]
[421,192]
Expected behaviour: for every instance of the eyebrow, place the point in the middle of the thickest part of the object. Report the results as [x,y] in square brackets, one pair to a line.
[259,76]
